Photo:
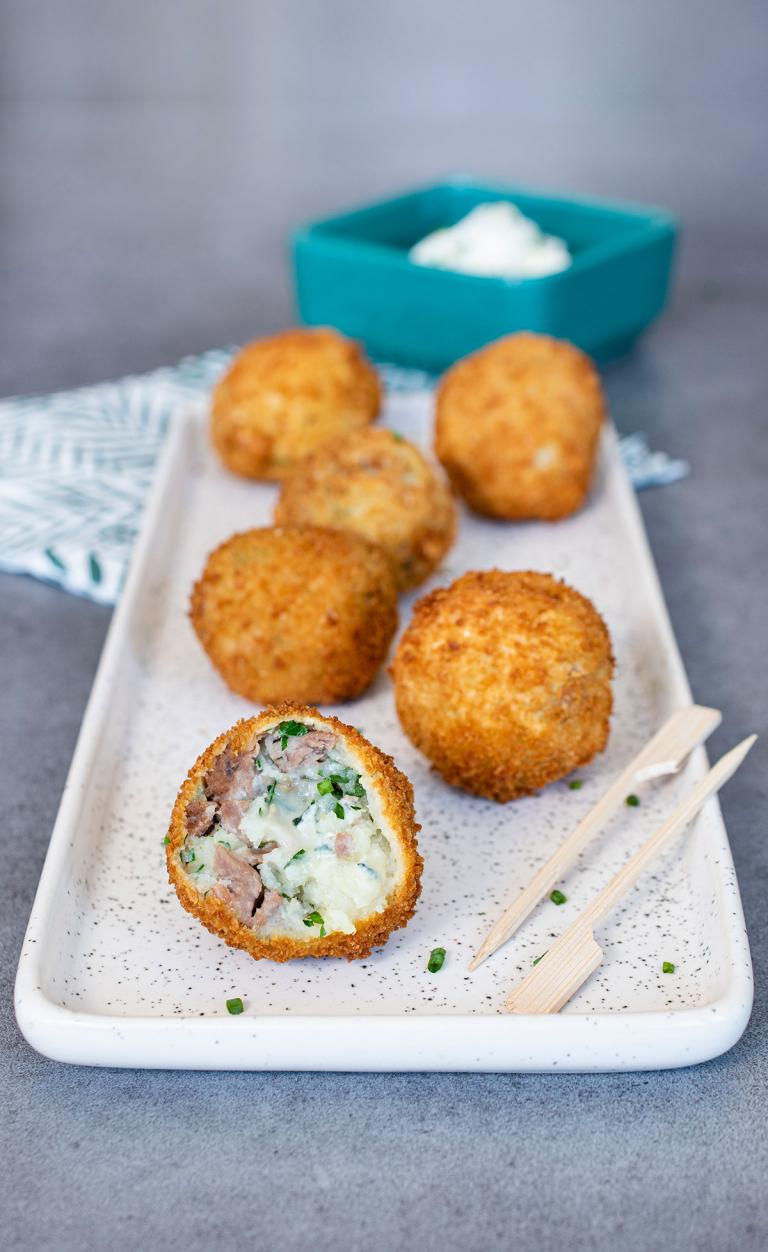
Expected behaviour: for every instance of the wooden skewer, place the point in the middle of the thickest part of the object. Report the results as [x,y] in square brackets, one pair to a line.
[575,955]
[663,754]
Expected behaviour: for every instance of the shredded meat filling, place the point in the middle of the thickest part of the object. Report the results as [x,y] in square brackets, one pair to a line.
[312,747]
[200,816]
[232,783]
[241,883]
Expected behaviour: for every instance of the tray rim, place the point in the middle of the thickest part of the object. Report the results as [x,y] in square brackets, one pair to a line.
[372,1042]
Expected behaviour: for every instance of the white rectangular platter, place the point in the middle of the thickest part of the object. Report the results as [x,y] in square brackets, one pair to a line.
[113,972]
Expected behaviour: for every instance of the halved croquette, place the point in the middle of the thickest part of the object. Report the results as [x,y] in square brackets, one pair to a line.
[294,836]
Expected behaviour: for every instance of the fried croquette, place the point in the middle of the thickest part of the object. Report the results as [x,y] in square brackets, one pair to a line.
[517,427]
[296,613]
[503,680]
[282,397]
[378,485]
[293,836]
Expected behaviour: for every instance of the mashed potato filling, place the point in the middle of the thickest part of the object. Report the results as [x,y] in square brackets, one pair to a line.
[311,855]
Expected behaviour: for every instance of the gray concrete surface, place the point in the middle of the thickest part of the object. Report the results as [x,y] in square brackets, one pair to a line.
[153,157]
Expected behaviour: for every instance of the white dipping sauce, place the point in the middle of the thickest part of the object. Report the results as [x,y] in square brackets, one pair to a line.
[496,241]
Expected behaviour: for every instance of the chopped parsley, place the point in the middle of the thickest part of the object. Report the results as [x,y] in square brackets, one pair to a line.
[667,968]
[339,811]
[436,960]
[398,438]
[557,897]
[235,1006]
[315,919]
[301,852]
[288,730]
[576,784]
[166,841]
[632,801]
[536,959]
[338,785]
[187,855]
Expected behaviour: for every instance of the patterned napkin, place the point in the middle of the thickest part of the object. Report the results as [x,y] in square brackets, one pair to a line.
[75,468]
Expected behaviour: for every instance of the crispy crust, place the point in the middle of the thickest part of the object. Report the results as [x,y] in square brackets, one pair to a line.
[503,680]
[395,795]
[296,613]
[380,486]
[517,427]
[284,396]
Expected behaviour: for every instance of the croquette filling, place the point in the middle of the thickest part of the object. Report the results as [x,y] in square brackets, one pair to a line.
[287,835]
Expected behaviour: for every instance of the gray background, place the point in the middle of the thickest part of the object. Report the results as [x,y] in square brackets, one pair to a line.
[154,155]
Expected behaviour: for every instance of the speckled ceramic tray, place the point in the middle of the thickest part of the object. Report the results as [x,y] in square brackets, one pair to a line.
[113,972]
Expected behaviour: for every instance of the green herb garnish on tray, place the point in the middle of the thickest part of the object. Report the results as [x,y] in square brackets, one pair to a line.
[436,960]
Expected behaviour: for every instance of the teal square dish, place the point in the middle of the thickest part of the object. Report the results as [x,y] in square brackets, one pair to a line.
[352,271]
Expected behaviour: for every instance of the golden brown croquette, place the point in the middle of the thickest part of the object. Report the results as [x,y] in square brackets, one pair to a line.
[503,680]
[517,427]
[380,486]
[293,836]
[284,396]
[296,613]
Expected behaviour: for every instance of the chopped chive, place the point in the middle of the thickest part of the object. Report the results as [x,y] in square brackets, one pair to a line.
[339,811]
[166,841]
[632,801]
[259,761]
[271,792]
[325,786]
[235,1006]
[557,897]
[536,959]
[575,784]
[436,959]
[285,896]
[296,855]
[667,967]
[187,855]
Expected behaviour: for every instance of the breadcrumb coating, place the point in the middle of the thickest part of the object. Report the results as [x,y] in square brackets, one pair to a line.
[517,427]
[503,680]
[284,396]
[378,485]
[395,795]
[296,613]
